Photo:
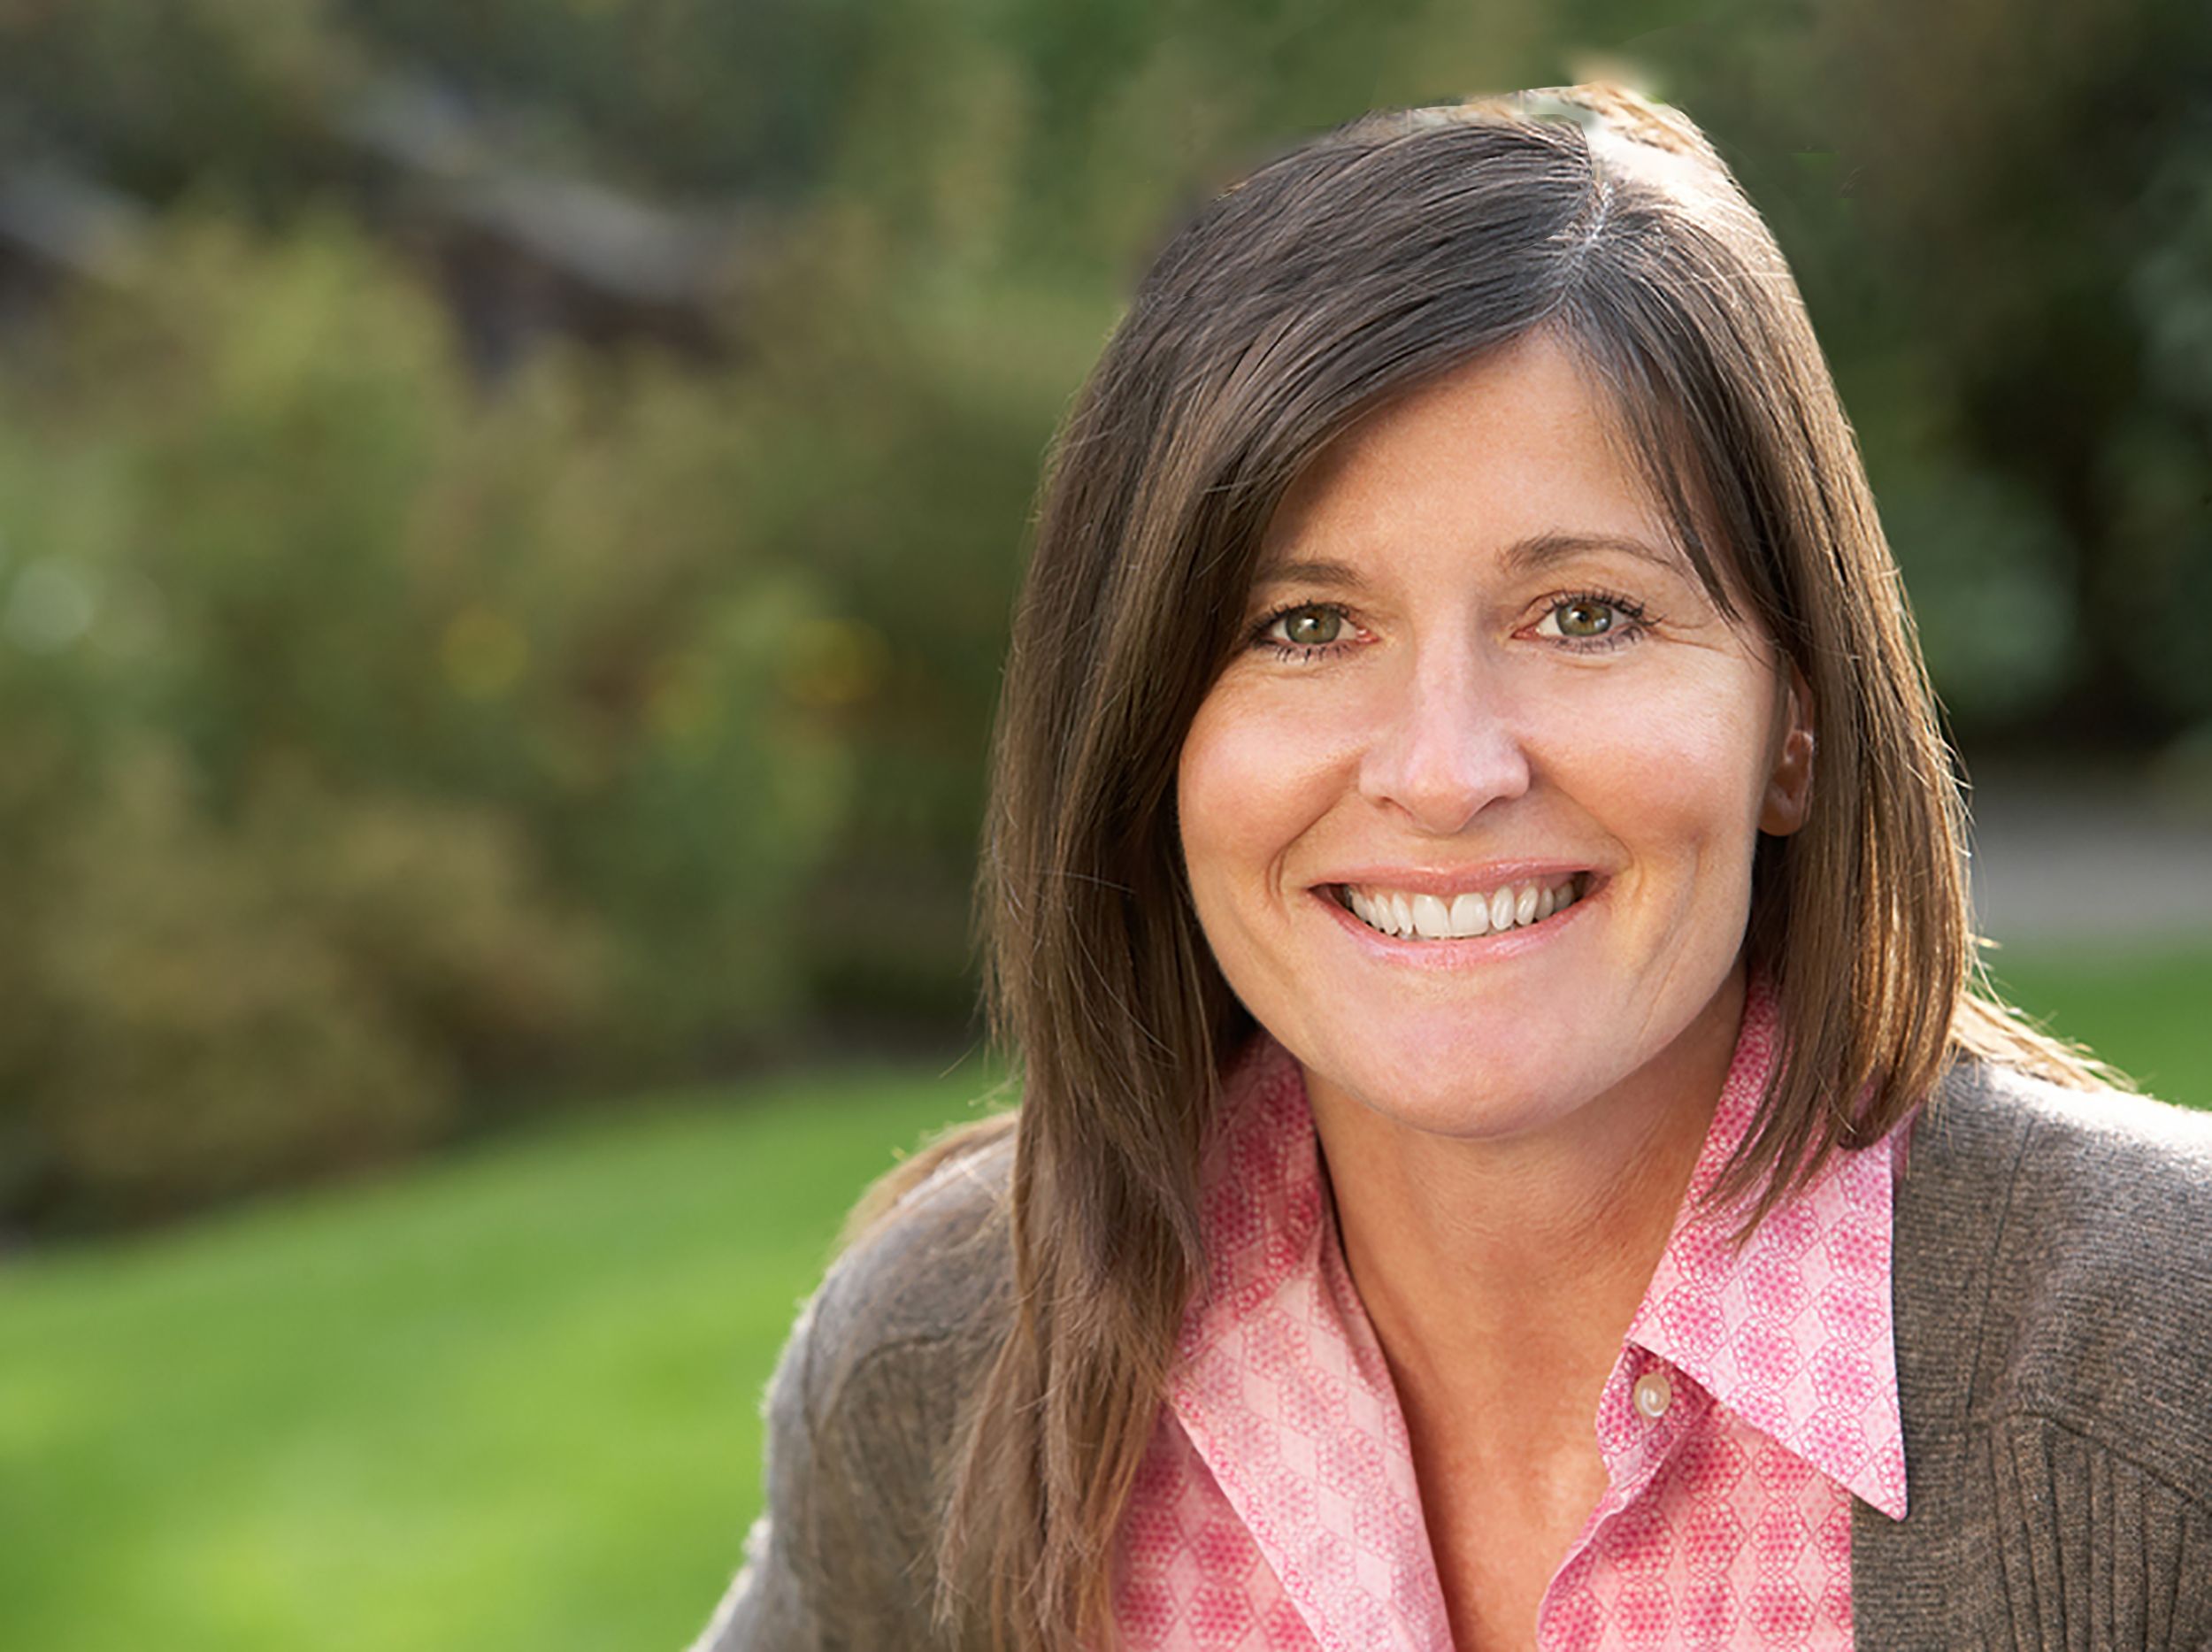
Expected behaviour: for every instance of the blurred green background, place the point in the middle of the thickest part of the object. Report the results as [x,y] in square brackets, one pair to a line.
[508,513]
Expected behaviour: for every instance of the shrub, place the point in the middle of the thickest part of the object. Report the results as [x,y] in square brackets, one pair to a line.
[371,749]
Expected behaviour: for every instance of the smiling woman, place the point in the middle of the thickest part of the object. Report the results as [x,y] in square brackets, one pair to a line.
[1513,1148]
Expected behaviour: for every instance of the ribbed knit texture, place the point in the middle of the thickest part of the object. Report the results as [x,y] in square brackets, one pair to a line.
[2053,1306]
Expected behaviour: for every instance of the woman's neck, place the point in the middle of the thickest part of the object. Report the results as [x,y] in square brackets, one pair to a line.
[1493,1268]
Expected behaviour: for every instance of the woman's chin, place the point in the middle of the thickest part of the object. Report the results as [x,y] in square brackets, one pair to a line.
[1446,1093]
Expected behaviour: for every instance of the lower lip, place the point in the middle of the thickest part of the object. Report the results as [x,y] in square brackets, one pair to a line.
[1463,953]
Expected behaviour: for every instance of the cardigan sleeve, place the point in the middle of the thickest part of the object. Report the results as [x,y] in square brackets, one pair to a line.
[772,1605]
[839,1558]
[862,1416]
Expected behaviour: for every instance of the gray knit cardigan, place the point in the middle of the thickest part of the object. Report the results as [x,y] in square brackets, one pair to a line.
[2053,1311]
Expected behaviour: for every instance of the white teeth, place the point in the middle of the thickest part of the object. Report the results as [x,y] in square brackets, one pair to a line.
[1432,918]
[1502,908]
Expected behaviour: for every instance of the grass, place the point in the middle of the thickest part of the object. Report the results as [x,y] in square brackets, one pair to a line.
[510,1401]
[2147,1012]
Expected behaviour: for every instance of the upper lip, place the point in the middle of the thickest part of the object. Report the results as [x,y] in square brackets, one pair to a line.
[1450,880]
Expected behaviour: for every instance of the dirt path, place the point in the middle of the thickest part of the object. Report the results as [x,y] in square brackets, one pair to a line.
[2096,860]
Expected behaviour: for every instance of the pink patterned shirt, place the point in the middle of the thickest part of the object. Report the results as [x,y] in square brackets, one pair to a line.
[1755,1396]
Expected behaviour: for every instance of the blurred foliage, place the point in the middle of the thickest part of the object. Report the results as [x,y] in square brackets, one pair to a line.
[380,746]
[371,746]
[687,94]
[161,97]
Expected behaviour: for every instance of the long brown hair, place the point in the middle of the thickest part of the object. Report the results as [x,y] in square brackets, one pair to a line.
[1352,270]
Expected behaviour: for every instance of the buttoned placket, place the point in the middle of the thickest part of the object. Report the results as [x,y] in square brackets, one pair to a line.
[1646,1411]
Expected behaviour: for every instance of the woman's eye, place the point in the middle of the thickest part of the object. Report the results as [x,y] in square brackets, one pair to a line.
[1584,620]
[1590,619]
[1314,627]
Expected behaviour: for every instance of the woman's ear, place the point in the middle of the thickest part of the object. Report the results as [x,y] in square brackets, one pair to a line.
[1789,792]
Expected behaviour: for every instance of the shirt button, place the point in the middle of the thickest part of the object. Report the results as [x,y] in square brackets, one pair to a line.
[1654,1393]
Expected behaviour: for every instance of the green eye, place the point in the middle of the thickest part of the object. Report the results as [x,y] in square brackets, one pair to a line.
[1312,628]
[1584,619]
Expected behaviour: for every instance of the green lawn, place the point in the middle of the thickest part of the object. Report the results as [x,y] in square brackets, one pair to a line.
[2149,1013]
[510,1401]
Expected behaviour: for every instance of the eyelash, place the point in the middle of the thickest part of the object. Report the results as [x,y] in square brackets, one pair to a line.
[1637,617]
[1630,611]
[1300,651]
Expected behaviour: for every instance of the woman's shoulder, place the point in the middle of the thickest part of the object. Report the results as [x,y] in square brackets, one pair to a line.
[1990,1123]
[2055,1257]
[864,1410]
[930,1273]
[2053,1308]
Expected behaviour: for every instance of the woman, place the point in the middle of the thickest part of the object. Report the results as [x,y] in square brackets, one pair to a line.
[1474,883]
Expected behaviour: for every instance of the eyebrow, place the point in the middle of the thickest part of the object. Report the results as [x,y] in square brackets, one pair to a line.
[1540,551]
[1523,555]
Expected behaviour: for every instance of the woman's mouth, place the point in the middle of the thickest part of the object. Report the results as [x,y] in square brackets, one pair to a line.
[1408,915]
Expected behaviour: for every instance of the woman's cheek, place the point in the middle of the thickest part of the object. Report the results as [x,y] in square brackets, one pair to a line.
[1263,746]
[1230,777]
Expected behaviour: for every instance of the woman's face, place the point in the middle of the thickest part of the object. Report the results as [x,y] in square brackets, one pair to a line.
[1481,685]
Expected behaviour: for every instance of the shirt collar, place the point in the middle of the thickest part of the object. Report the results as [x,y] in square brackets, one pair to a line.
[1282,1389]
[1793,1332]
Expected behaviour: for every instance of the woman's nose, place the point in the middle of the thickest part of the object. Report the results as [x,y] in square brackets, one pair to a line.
[1447,746]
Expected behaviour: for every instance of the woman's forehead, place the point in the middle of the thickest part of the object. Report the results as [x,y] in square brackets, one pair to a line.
[1523,451]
